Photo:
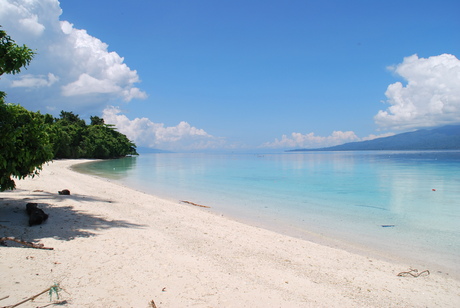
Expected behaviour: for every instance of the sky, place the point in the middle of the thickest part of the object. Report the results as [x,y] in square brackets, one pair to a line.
[199,75]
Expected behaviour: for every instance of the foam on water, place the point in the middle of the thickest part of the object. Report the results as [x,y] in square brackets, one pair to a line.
[397,203]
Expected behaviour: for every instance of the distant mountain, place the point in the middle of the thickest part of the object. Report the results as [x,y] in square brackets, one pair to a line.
[442,138]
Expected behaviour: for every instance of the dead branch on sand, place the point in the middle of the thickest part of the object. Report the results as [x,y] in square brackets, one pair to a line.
[188,202]
[413,273]
[54,288]
[152,304]
[29,244]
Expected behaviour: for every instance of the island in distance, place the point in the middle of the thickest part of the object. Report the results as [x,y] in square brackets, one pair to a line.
[441,138]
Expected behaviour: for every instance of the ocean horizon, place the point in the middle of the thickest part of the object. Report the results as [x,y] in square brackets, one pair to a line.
[392,204]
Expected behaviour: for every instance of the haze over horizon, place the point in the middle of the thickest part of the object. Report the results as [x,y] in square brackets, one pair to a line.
[203,75]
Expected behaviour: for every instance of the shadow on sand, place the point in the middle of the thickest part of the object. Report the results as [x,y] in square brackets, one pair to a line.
[64,223]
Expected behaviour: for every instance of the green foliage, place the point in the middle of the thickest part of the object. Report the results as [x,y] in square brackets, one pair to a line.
[72,138]
[29,139]
[24,144]
[12,56]
[97,121]
[67,135]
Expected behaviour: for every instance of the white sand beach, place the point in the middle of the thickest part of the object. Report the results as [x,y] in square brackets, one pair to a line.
[118,247]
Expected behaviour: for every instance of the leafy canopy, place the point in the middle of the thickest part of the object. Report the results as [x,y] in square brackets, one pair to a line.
[24,144]
[12,56]
[72,138]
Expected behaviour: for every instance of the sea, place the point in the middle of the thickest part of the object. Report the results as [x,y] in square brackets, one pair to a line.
[387,204]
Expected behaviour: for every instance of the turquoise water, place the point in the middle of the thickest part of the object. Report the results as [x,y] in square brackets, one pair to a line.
[395,204]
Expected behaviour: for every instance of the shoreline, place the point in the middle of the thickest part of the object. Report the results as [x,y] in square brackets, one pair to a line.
[376,244]
[118,247]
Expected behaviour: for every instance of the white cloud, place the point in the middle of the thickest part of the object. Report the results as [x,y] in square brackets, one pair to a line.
[26,16]
[312,141]
[87,84]
[80,69]
[145,133]
[96,70]
[35,81]
[372,136]
[32,25]
[430,98]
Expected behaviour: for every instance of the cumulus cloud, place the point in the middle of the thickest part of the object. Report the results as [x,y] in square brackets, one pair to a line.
[372,136]
[35,81]
[71,69]
[87,84]
[30,24]
[430,98]
[311,141]
[96,69]
[146,133]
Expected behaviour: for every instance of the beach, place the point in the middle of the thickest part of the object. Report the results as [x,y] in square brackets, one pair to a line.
[118,247]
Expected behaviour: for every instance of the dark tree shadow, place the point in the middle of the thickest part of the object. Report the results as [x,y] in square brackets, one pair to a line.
[64,222]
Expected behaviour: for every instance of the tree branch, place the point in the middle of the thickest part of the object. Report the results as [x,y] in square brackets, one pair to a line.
[29,244]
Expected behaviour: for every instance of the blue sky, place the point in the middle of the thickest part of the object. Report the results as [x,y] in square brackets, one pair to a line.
[236,75]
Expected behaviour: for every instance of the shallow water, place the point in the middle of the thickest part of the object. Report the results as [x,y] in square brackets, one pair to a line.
[402,204]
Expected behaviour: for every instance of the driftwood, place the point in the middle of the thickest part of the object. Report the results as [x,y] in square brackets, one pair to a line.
[29,244]
[413,273]
[55,288]
[152,304]
[188,202]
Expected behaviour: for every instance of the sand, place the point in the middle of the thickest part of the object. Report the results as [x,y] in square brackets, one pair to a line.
[118,247]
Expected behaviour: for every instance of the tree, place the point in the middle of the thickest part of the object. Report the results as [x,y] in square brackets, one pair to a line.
[69,117]
[12,56]
[24,143]
[72,138]
[97,120]
[68,133]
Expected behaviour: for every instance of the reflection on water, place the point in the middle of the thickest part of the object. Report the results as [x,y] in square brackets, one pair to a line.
[115,169]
